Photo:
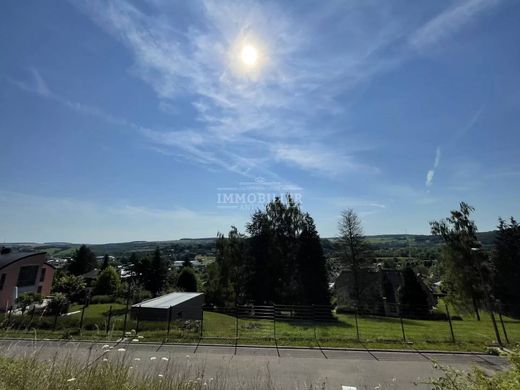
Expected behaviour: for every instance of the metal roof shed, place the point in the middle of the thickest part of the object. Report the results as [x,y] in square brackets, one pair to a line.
[183,306]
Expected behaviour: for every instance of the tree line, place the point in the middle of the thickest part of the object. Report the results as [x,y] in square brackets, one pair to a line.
[280,259]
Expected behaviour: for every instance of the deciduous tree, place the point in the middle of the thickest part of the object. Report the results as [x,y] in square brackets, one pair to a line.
[506,262]
[106,262]
[464,266]
[83,261]
[354,249]
[108,282]
[187,280]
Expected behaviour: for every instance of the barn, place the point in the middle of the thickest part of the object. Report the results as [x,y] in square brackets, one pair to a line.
[174,306]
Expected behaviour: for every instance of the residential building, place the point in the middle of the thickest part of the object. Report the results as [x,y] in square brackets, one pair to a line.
[23,272]
[378,291]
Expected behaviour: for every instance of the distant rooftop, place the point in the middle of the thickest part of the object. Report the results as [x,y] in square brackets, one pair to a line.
[165,301]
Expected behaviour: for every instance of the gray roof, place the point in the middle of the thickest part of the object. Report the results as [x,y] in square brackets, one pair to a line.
[92,274]
[13,257]
[165,301]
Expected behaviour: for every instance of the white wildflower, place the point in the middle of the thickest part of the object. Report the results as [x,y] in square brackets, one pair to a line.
[71,380]
[161,375]
[153,358]
[137,359]
[121,350]
[164,358]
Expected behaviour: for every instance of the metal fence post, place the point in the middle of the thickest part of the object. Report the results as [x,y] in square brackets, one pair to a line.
[274,322]
[357,326]
[55,320]
[31,319]
[137,319]
[169,322]
[451,325]
[314,324]
[126,312]
[109,319]
[402,323]
[201,322]
[124,322]
[236,322]
[81,319]
[502,321]
[497,333]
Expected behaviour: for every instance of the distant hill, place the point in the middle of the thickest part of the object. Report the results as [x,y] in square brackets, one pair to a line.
[382,241]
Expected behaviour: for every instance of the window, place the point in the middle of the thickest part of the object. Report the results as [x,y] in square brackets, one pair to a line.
[2,281]
[42,275]
[27,275]
[39,289]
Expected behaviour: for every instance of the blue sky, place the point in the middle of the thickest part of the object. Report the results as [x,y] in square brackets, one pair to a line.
[128,121]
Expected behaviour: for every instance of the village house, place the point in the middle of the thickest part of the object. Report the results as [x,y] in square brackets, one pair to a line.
[378,291]
[23,272]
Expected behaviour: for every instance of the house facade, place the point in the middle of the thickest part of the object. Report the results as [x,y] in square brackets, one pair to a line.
[378,292]
[23,272]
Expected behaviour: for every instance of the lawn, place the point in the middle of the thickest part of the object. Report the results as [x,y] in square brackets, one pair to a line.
[376,332]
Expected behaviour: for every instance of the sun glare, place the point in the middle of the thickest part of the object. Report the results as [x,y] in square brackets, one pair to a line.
[249,55]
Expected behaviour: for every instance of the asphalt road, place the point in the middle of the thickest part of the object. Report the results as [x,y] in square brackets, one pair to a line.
[287,368]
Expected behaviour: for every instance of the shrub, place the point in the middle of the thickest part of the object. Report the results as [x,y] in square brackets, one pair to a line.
[187,280]
[108,282]
[477,379]
[27,299]
[58,304]
[142,295]
[344,310]
[72,286]
[102,299]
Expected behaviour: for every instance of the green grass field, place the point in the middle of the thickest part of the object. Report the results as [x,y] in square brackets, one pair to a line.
[375,332]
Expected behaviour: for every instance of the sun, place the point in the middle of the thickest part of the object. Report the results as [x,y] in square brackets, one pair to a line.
[249,55]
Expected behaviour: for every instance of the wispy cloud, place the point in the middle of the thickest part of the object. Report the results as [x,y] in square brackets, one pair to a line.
[449,22]
[36,84]
[350,202]
[250,122]
[300,76]
[431,173]
[317,158]
[461,132]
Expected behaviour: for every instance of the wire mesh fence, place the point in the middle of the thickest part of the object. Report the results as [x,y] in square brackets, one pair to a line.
[272,324]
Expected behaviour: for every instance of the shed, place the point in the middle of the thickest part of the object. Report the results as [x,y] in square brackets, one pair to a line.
[182,305]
